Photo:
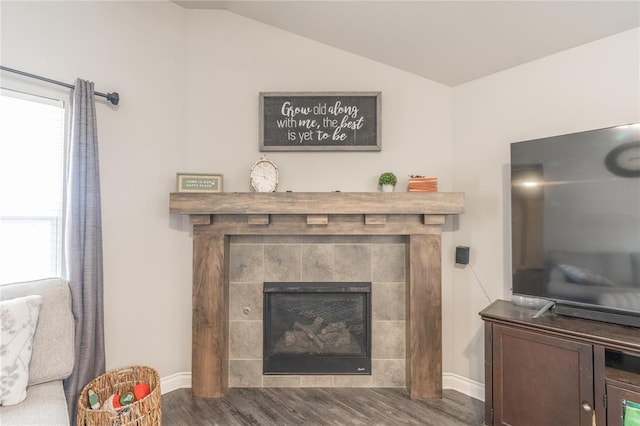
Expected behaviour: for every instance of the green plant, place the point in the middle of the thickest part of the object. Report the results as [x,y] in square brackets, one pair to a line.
[387,178]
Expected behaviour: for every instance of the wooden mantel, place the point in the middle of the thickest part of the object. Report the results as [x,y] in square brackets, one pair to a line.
[318,202]
[418,216]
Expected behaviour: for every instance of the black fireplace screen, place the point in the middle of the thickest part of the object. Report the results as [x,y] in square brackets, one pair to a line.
[317,328]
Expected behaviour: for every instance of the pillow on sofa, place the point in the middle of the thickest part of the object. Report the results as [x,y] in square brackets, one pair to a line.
[584,276]
[18,318]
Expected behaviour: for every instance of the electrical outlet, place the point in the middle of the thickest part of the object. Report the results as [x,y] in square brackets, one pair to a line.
[462,255]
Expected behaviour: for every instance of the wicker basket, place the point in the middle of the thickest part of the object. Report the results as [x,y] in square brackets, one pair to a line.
[146,412]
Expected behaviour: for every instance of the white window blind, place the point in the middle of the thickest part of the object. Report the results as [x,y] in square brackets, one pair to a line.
[32,146]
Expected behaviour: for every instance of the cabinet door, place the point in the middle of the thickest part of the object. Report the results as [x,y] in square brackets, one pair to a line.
[615,396]
[540,380]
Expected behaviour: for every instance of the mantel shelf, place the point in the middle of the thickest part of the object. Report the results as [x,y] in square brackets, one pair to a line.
[440,203]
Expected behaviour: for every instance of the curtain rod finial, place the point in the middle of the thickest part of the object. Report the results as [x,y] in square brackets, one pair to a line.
[113,98]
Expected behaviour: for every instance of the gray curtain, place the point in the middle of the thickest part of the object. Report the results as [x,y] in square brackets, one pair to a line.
[83,243]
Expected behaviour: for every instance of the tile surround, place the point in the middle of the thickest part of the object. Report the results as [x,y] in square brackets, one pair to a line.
[379,259]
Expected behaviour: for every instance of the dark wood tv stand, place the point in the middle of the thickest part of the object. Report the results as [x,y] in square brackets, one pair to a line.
[557,370]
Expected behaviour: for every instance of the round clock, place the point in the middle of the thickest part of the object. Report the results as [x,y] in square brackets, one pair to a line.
[624,160]
[264,175]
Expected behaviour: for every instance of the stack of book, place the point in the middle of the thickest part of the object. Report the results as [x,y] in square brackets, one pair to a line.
[423,184]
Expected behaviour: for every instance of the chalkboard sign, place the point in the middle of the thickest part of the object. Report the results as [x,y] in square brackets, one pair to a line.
[320,121]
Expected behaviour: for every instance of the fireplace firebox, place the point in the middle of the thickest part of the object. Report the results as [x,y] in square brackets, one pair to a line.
[317,328]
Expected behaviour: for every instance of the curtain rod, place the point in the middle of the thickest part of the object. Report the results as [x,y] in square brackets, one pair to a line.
[113,97]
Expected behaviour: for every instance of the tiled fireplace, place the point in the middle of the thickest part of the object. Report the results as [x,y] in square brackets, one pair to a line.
[241,240]
[302,260]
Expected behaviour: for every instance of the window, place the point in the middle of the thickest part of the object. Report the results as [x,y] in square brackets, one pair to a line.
[31,186]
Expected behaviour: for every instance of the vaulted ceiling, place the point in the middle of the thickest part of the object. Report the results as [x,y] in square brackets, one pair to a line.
[451,42]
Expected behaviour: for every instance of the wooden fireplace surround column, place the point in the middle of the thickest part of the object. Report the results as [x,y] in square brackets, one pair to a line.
[215,217]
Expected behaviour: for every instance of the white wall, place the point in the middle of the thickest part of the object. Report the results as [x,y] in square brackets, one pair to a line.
[592,86]
[135,48]
[230,59]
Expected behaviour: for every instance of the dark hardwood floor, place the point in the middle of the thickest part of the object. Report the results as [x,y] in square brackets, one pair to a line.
[320,406]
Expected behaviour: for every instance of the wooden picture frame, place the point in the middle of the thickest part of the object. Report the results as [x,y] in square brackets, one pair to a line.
[199,182]
[320,121]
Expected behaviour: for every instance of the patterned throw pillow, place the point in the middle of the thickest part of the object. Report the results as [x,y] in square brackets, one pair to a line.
[18,318]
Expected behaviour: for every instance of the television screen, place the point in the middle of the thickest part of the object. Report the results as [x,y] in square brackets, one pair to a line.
[575,214]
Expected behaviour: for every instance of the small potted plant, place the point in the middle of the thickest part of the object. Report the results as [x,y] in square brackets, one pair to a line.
[387,181]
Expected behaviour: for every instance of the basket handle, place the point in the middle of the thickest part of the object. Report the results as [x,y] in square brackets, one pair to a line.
[126,370]
[120,372]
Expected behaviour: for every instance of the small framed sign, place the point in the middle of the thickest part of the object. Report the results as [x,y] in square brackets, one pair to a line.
[320,121]
[190,182]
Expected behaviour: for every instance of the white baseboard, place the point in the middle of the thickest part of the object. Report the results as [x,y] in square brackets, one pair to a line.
[463,385]
[175,382]
[449,381]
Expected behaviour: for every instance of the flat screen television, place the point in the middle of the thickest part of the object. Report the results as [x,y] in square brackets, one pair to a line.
[575,222]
